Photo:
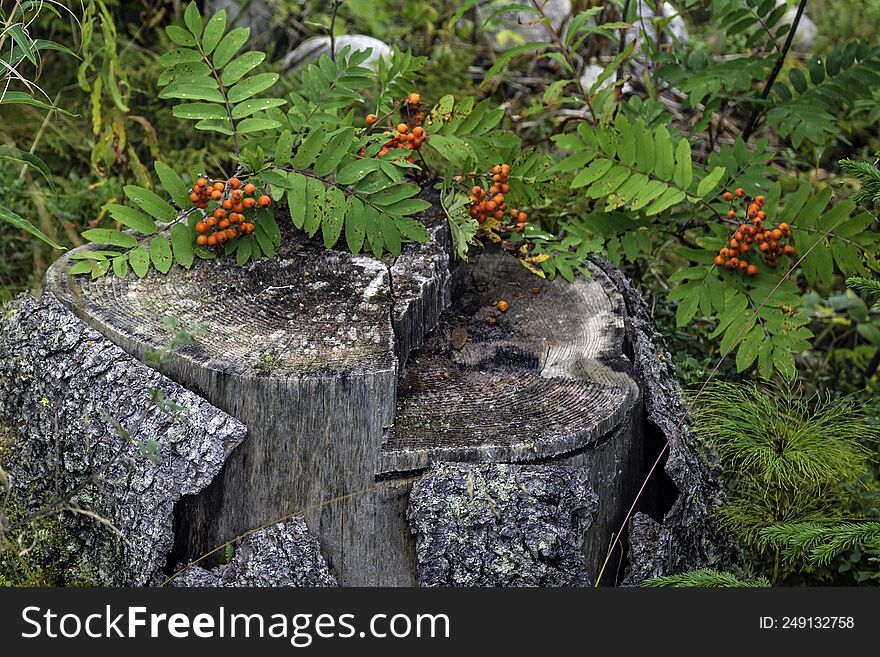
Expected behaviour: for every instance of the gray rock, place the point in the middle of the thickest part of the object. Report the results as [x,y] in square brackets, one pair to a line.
[60,384]
[805,37]
[285,554]
[311,49]
[527,24]
[688,537]
[501,525]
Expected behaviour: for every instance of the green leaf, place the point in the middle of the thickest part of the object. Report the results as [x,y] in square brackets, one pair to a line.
[196,111]
[12,153]
[356,171]
[173,184]
[181,240]
[257,125]
[244,249]
[110,236]
[223,126]
[710,181]
[683,173]
[249,107]
[84,267]
[335,150]
[186,90]
[193,19]
[151,203]
[314,206]
[283,148]
[334,214]
[394,194]
[749,348]
[230,45]
[140,261]
[120,266]
[407,206]
[10,217]
[390,234]
[354,225]
[214,31]
[160,254]
[20,97]
[240,66]
[179,56]
[309,149]
[687,308]
[502,61]
[296,198]
[180,36]
[133,219]
[251,86]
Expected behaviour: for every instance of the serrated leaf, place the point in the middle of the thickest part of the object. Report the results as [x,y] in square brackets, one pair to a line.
[120,266]
[251,86]
[228,46]
[160,254]
[140,261]
[334,215]
[406,206]
[749,348]
[394,194]
[180,36]
[314,206]
[254,105]
[296,198]
[195,111]
[151,203]
[181,240]
[256,125]
[173,184]
[283,148]
[110,236]
[186,90]
[178,56]
[354,225]
[356,171]
[131,218]
[390,234]
[193,18]
[243,250]
[214,31]
[336,149]
[683,173]
[223,126]
[309,149]
[710,182]
[240,66]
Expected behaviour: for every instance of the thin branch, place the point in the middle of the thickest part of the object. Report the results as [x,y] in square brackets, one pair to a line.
[777,67]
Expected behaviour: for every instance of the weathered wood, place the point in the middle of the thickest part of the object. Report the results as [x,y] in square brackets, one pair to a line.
[546,381]
[84,410]
[302,349]
[309,349]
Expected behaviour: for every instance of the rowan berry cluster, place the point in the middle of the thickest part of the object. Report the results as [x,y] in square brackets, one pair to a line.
[227,221]
[491,204]
[409,133]
[769,241]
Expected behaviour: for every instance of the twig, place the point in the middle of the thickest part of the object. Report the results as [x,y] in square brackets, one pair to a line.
[777,67]
[336,5]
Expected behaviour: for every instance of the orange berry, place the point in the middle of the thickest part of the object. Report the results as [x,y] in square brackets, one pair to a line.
[402,128]
[212,240]
[728,196]
[371,119]
[227,204]
[193,197]
[784,226]
[776,234]
[751,270]
[235,183]
[264,201]
[249,202]
[201,227]
[216,195]
[522,218]
[414,98]
[760,200]
[249,189]
[719,260]
[201,182]
[740,192]
[731,214]
[502,305]
[201,240]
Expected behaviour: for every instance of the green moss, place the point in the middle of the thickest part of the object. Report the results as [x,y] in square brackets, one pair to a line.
[35,550]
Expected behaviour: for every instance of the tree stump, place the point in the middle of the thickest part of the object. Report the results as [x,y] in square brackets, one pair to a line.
[312,352]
